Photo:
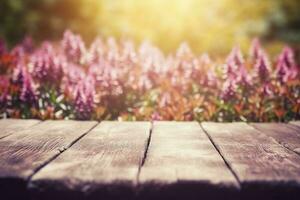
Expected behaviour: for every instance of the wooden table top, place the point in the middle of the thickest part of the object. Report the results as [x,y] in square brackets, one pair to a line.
[148,160]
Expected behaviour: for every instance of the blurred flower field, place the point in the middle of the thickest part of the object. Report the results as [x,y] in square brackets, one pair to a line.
[115,79]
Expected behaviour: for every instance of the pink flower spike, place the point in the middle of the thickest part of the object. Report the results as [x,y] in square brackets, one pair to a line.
[235,57]
[262,68]
[28,93]
[228,90]
[255,49]
[288,57]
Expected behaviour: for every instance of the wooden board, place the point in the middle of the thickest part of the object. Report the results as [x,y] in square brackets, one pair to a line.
[25,152]
[10,126]
[296,123]
[285,134]
[103,164]
[182,163]
[265,169]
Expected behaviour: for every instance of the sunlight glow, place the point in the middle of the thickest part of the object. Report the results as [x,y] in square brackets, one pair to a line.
[205,25]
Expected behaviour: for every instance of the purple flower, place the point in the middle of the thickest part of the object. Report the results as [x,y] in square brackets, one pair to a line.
[28,93]
[262,68]
[286,68]
[210,79]
[96,50]
[255,49]
[84,102]
[287,56]
[18,52]
[22,79]
[73,47]
[228,90]
[235,57]
[19,74]
[47,65]
[230,70]
[244,78]
[282,71]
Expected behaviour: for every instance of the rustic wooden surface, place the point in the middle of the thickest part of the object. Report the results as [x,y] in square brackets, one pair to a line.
[265,169]
[180,155]
[290,139]
[296,123]
[104,163]
[10,126]
[22,154]
[144,160]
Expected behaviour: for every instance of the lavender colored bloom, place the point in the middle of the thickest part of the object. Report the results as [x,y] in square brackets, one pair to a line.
[22,79]
[244,78]
[287,56]
[255,49]
[286,68]
[73,47]
[84,102]
[282,71]
[230,70]
[19,74]
[210,79]
[228,90]
[47,66]
[96,51]
[18,52]
[28,93]
[144,83]
[262,68]
[235,57]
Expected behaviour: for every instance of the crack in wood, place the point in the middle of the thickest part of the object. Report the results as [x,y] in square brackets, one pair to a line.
[145,151]
[223,157]
[60,151]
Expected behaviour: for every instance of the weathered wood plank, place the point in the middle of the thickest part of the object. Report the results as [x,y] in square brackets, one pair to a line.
[296,123]
[285,134]
[10,126]
[182,163]
[265,169]
[103,164]
[23,153]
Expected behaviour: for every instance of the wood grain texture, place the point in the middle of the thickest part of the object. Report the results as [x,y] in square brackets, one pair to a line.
[265,169]
[285,134]
[182,163]
[10,126]
[103,164]
[23,153]
[296,123]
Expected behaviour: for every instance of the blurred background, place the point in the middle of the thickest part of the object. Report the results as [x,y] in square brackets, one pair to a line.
[212,26]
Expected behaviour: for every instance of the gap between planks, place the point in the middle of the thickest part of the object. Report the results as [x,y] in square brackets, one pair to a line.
[223,157]
[291,138]
[60,152]
[145,152]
